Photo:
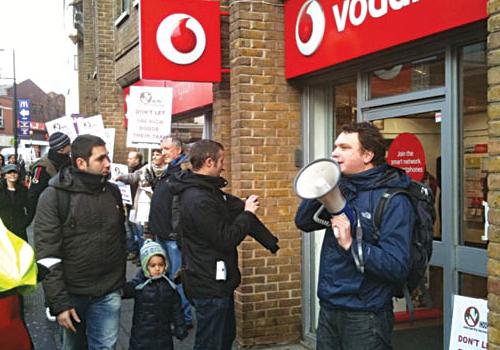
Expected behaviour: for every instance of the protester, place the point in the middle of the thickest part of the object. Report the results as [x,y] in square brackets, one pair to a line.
[357,277]
[45,168]
[84,290]
[14,202]
[157,304]
[48,166]
[160,216]
[145,179]
[210,234]
[11,159]
[135,231]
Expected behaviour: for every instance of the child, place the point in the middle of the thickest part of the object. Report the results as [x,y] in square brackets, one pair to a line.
[157,304]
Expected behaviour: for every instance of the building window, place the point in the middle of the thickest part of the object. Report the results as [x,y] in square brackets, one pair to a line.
[122,11]
[1,119]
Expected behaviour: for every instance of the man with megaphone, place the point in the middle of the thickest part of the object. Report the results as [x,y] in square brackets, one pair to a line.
[357,271]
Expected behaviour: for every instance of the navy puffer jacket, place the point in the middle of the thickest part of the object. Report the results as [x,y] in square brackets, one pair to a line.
[341,285]
[157,305]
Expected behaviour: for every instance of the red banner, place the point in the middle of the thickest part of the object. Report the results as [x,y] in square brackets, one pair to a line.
[322,33]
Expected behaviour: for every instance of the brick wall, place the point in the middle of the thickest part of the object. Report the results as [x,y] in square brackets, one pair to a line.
[265,122]
[99,91]
[494,175]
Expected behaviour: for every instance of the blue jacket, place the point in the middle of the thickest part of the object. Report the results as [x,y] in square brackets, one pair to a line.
[341,284]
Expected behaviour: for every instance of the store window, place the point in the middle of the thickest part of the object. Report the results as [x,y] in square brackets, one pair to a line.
[473,87]
[190,129]
[345,109]
[417,75]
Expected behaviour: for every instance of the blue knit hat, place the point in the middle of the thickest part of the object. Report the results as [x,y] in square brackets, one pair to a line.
[149,249]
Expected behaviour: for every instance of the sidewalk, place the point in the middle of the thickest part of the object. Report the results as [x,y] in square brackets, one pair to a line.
[45,334]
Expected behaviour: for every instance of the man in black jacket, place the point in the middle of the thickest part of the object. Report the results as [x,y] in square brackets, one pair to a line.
[89,244]
[212,227]
[160,215]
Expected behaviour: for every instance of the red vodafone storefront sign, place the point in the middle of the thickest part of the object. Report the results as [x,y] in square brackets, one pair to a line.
[406,152]
[180,40]
[322,33]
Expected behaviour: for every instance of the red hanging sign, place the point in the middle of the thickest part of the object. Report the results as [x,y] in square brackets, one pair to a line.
[180,40]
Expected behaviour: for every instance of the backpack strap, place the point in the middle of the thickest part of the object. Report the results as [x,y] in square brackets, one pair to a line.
[63,205]
[379,210]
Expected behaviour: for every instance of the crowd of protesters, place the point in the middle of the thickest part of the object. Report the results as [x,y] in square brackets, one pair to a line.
[184,231]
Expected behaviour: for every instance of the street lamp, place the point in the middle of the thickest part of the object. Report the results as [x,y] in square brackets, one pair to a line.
[14,127]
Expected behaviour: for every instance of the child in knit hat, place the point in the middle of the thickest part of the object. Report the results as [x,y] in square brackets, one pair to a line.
[157,304]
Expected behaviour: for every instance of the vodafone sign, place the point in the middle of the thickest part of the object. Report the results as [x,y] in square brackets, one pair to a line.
[322,33]
[180,40]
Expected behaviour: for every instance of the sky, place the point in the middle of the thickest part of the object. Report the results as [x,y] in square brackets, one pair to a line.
[38,32]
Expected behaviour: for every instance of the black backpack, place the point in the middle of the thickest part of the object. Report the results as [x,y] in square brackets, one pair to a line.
[422,200]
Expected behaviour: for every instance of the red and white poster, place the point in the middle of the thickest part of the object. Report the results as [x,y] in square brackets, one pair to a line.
[323,33]
[180,40]
[406,152]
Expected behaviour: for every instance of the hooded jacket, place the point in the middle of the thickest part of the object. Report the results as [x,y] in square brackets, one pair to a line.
[160,214]
[341,285]
[90,243]
[211,231]
[14,209]
[157,305]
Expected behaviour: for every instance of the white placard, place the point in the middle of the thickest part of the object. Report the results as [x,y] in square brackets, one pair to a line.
[125,191]
[469,326]
[64,125]
[118,169]
[149,113]
[109,138]
[91,125]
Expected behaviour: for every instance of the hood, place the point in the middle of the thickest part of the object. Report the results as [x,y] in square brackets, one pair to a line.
[73,180]
[381,176]
[186,179]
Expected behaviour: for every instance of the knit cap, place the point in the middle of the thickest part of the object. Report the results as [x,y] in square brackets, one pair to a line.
[58,140]
[149,249]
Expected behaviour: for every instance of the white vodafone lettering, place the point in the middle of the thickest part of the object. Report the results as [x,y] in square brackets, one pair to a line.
[356,18]
[377,12]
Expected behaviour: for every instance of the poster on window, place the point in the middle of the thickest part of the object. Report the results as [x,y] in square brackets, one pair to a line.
[406,152]
[149,113]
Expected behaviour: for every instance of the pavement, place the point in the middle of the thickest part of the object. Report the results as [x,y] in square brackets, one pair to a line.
[46,334]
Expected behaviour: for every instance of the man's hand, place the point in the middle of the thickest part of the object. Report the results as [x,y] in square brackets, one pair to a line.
[64,319]
[252,204]
[343,225]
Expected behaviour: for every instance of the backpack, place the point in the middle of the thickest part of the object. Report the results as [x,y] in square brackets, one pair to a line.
[422,201]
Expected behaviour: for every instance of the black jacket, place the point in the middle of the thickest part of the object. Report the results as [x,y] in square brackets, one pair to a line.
[91,241]
[211,231]
[14,214]
[157,305]
[160,213]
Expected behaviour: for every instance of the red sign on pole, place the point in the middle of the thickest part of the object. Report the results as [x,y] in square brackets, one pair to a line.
[180,40]
[322,33]
[406,152]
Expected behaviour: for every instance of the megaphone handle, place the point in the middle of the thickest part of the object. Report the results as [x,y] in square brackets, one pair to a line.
[320,221]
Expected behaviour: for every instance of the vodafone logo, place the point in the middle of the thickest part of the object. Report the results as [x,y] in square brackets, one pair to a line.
[309,27]
[181,38]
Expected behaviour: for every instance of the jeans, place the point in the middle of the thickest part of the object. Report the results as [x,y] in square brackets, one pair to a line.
[216,324]
[99,324]
[354,330]
[135,238]
[174,264]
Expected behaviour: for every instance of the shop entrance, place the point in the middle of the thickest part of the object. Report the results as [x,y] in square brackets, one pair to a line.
[459,186]
[413,135]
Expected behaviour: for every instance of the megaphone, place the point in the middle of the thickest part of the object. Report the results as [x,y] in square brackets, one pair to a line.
[319,180]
